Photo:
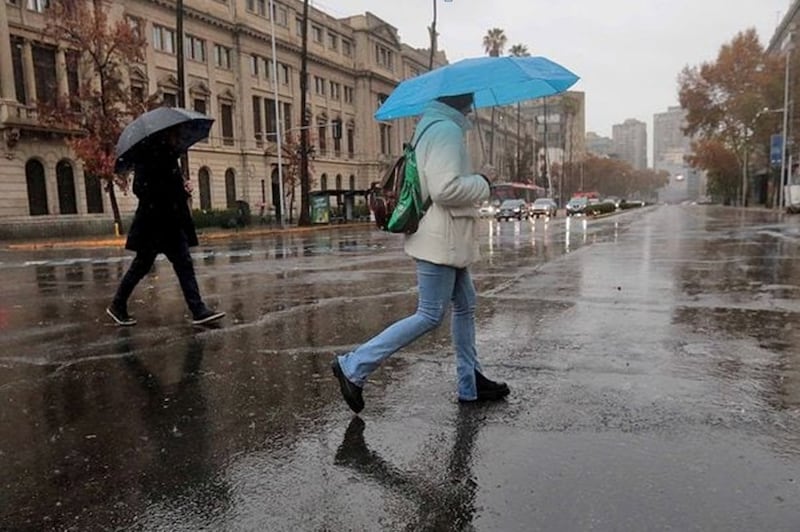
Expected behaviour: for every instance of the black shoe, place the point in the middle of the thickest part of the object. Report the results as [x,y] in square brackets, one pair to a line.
[120,315]
[488,390]
[207,316]
[350,392]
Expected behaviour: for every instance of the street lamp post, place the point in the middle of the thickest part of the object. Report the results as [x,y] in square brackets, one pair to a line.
[278,136]
[788,53]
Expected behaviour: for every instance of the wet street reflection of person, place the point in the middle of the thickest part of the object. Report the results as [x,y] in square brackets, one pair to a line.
[176,419]
[445,499]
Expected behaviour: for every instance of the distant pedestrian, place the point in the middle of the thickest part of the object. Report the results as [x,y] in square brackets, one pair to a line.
[444,246]
[162,224]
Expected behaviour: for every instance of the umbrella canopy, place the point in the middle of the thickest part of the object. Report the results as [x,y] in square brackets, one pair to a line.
[492,81]
[191,127]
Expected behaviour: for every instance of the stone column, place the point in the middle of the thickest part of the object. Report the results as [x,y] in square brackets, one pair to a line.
[30,77]
[61,74]
[7,91]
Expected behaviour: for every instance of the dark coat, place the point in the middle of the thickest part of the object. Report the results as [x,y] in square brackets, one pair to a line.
[163,217]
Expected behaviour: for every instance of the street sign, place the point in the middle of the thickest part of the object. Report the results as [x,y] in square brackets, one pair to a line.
[775,149]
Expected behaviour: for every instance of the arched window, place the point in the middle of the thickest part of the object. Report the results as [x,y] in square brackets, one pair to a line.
[323,182]
[94,193]
[37,189]
[204,180]
[230,188]
[66,188]
[352,182]
[338,181]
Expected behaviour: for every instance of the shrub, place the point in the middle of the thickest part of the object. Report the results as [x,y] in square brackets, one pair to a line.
[225,218]
[624,204]
[599,208]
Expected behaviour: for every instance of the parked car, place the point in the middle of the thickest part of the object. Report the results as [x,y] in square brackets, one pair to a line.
[576,206]
[512,208]
[544,207]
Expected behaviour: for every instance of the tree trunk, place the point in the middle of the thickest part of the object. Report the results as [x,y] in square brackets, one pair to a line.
[305,187]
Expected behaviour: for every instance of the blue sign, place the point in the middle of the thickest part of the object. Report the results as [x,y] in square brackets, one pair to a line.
[775,149]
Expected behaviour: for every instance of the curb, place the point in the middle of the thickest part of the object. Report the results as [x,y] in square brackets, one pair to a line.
[119,242]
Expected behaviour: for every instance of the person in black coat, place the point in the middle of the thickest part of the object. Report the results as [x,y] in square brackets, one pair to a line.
[162,224]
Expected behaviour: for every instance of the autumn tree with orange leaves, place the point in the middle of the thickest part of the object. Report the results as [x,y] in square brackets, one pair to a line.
[725,102]
[610,177]
[95,116]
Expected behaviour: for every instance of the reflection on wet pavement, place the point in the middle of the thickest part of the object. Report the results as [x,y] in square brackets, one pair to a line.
[652,357]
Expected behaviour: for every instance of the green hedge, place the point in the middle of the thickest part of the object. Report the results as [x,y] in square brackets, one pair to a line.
[599,208]
[630,204]
[224,218]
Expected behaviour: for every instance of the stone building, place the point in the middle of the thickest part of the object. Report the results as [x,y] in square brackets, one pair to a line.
[353,64]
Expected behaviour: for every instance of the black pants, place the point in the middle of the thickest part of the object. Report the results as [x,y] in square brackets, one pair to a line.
[178,255]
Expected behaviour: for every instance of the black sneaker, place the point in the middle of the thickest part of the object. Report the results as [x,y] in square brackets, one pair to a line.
[350,391]
[120,316]
[488,390]
[207,316]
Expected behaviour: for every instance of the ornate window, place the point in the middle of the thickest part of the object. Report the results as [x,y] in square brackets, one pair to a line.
[65,181]
[37,188]
[230,188]
[204,182]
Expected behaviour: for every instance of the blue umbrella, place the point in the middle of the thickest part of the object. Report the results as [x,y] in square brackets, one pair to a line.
[492,81]
[191,126]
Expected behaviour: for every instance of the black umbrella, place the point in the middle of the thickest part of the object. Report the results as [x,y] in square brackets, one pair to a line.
[191,127]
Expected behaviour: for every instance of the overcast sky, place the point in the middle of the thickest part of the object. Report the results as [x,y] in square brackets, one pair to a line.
[628,53]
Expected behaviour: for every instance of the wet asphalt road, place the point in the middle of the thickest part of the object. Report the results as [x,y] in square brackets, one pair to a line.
[653,356]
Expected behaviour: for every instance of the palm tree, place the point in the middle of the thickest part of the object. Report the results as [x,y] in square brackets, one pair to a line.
[494,42]
[519,50]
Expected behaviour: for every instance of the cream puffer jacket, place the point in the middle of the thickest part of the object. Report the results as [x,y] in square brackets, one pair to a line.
[447,233]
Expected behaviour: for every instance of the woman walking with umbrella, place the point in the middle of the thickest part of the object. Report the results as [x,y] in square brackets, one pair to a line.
[163,222]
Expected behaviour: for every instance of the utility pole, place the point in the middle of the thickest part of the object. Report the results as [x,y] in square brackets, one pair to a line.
[181,77]
[281,207]
[784,140]
[434,35]
[305,188]
[546,156]
[432,31]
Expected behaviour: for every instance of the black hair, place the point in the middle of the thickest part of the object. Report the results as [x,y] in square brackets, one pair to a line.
[459,102]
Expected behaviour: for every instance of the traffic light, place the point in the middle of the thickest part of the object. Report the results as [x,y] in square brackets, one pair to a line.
[336,128]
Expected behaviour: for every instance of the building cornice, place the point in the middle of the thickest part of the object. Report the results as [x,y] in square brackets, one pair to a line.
[776,42]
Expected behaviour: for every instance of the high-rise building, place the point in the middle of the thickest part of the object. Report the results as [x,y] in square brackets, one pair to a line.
[668,136]
[598,145]
[670,150]
[629,141]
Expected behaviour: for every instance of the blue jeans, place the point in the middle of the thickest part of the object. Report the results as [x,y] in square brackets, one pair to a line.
[438,285]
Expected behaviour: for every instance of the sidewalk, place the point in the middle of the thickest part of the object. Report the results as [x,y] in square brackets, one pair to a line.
[204,235]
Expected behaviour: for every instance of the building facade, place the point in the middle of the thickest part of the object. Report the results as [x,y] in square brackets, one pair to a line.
[629,141]
[669,140]
[353,65]
[560,129]
[598,145]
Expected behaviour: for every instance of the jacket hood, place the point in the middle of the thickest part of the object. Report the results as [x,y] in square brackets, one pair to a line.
[440,111]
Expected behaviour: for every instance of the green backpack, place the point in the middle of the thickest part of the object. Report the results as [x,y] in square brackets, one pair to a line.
[397,204]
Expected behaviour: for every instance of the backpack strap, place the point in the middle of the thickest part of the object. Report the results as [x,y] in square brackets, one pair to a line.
[427,203]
